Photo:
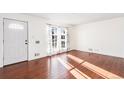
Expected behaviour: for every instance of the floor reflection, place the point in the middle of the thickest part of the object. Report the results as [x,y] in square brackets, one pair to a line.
[79,74]
[71,65]
[74,71]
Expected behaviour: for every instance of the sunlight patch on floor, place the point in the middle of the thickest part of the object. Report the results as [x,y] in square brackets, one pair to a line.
[104,73]
[78,60]
[100,71]
[74,71]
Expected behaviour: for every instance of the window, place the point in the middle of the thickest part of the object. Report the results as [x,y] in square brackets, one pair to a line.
[62,36]
[62,31]
[57,39]
[16,26]
[63,44]
[53,37]
[52,32]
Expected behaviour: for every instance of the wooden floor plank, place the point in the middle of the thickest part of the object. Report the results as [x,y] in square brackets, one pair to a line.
[71,65]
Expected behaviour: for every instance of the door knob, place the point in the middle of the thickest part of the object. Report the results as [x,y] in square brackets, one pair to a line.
[26,40]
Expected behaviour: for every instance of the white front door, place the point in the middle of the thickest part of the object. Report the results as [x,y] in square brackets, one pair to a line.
[15,41]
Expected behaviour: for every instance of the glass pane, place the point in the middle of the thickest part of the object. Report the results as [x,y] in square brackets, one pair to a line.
[16,26]
[53,37]
[55,44]
[63,44]
[52,32]
[62,36]
[62,31]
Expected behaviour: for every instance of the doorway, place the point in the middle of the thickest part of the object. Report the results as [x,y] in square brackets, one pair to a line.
[57,40]
[15,41]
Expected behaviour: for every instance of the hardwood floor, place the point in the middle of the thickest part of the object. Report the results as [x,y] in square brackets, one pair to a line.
[72,65]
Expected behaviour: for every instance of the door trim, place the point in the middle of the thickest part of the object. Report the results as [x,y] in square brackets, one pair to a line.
[27,37]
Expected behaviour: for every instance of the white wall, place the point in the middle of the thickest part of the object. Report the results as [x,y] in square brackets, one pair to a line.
[72,38]
[1,44]
[104,37]
[37,31]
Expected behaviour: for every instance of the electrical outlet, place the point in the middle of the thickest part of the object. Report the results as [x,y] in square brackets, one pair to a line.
[37,42]
[37,54]
[90,49]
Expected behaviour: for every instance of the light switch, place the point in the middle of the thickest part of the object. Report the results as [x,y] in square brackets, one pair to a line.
[37,42]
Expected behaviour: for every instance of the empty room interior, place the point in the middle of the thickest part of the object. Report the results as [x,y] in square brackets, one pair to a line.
[61,45]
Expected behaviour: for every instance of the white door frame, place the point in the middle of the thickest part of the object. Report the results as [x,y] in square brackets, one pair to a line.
[27,38]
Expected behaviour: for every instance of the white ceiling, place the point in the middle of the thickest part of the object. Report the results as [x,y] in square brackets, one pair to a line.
[68,19]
